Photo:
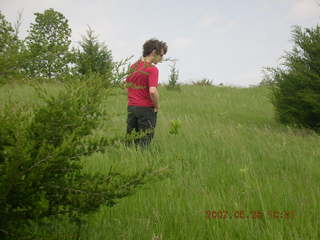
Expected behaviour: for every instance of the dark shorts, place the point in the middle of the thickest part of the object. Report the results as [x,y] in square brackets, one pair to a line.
[141,120]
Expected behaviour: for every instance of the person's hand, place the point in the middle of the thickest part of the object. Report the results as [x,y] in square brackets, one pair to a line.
[156,109]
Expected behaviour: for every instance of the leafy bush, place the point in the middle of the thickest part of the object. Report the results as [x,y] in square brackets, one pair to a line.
[174,127]
[41,174]
[296,86]
[203,82]
[173,78]
[94,57]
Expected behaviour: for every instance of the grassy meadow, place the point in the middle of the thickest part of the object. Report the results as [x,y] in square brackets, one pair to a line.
[234,172]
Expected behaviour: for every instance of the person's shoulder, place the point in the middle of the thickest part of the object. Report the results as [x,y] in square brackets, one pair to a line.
[145,66]
[152,70]
[153,67]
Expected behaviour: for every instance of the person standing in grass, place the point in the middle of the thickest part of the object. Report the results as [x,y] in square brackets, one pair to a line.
[143,96]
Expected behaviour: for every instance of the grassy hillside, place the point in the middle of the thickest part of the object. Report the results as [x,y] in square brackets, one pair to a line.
[258,179]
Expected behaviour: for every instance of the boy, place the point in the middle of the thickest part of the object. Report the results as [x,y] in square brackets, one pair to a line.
[143,96]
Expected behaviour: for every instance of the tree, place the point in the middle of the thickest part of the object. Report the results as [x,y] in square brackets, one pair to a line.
[48,44]
[173,78]
[9,50]
[41,175]
[94,57]
[7,34]
[296,86]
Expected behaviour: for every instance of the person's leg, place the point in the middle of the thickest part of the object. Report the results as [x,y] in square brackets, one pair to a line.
[155,119]
[146,124]
[132,123]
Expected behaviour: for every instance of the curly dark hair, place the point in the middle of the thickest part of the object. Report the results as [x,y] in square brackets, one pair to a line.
[154,44]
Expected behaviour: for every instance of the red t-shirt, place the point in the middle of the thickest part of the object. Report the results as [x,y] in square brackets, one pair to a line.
[145,75]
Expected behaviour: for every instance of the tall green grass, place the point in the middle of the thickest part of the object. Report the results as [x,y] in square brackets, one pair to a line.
[229,154]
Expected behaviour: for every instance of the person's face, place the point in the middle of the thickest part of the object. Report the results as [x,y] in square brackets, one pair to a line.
[157,57]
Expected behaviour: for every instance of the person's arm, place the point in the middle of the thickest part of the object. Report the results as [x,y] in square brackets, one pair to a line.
[155,98]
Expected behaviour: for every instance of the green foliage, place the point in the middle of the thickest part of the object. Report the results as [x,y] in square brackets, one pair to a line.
[121,70]
[10,48]
[41,174]
[203,82]
[94,57]
[173,78]
[174,127]
[48,45]
[7,34]
[296,86]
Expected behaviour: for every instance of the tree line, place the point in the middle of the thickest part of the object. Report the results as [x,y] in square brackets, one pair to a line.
[46,52]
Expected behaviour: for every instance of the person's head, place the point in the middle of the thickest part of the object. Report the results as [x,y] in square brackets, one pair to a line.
[154,49]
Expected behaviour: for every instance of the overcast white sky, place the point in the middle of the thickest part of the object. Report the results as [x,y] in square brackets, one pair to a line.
[226,41]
